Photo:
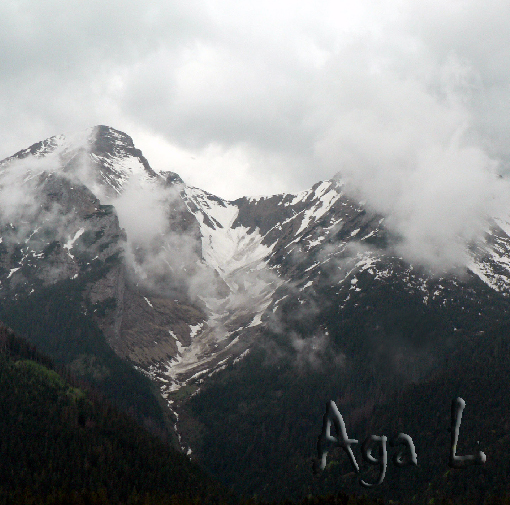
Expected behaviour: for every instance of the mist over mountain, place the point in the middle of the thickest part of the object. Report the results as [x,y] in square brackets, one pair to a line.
[236,321]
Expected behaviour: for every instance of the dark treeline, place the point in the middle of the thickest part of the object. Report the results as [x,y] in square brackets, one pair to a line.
[18,348]
[55,320]
[258,421]
[60,444]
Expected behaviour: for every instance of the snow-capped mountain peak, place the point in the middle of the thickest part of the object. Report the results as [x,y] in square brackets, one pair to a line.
[99,156]
[182,283]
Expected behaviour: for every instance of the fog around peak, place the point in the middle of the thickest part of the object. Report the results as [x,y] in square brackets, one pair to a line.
[410,101]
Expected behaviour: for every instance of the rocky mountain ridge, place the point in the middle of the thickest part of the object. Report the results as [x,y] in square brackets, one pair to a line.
[182,283]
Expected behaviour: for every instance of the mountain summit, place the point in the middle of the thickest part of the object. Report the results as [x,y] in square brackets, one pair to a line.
[201,295]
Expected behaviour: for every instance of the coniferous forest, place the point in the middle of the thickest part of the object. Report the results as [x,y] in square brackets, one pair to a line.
[60,444]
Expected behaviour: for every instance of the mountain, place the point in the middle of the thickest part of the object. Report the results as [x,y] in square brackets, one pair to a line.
[232,321]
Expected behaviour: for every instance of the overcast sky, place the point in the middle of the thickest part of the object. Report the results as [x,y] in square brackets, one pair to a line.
[248,98]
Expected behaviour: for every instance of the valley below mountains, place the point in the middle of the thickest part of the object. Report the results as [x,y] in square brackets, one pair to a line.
[226,326]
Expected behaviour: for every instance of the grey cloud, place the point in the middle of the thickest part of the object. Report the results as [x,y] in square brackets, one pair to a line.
[64,37]
[409,101]
[413,156]
[62,62]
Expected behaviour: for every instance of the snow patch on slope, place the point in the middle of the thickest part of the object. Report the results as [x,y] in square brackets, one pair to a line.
[71,241]
[224,248]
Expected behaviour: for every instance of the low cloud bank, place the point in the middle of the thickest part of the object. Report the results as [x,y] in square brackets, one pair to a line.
[412,154]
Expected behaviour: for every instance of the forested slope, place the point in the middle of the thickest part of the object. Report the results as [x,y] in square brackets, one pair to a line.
[60,444]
